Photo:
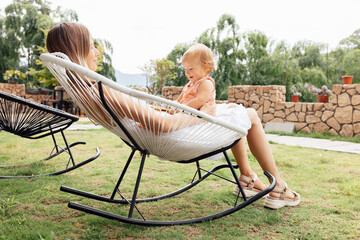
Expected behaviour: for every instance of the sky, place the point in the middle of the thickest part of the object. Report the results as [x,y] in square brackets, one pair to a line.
[144,30]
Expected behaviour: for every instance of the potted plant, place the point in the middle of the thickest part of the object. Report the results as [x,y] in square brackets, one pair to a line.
[347,79]
[13,76]
[323,93]
[295,95]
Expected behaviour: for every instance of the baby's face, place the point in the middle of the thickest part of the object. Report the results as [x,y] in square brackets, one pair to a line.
[193,68]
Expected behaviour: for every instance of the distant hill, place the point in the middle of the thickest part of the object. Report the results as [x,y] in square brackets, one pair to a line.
[125,79]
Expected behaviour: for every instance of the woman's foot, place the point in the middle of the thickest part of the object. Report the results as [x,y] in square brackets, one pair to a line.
[251,185]
[280,197]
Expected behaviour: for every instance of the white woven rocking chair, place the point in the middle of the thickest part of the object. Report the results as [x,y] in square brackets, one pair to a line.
[150,125]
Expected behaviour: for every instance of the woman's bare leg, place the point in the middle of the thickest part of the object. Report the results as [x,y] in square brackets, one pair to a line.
[240,153]
[259,145]
[260,148]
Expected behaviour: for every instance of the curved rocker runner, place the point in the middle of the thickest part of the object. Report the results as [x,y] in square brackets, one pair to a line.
[33,121]
[178,133]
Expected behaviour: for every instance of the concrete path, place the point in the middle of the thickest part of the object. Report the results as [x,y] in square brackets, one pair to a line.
[77,126]
[324,144]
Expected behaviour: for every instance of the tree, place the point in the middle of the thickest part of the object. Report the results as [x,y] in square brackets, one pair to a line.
[353,41]
[105,67]
[157,73]
[8,49]
[224,40]
[175,56]
[257,57]
[22,31]
[251,58]
[351,63]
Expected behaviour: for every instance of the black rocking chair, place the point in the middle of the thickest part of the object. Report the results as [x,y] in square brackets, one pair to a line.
[187,136]
[33,121]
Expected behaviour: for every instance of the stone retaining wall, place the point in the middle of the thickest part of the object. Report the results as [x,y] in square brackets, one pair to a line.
[16,89]
[19,90]
[340,116]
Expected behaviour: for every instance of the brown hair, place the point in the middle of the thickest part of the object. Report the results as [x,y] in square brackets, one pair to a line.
[205,55]
[72,39]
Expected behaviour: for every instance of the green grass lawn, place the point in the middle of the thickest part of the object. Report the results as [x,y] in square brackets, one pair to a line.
[329,184]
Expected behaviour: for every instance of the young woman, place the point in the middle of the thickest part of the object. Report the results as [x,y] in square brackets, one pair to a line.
[74,40]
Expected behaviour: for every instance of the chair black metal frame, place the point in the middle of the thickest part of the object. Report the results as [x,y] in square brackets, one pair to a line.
[190,136]
[33,121]
[134,200]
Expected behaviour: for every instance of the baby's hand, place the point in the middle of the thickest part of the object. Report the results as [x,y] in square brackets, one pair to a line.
[171,111]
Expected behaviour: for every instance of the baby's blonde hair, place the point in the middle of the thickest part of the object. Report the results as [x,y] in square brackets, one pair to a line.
[204,53]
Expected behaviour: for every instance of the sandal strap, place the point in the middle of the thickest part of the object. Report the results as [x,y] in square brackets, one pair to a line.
[282,190]
[249,181]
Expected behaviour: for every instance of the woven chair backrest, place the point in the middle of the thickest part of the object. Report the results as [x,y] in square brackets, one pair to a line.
[30,119]
[161,127]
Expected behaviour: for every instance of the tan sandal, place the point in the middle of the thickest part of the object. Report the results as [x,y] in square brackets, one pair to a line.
[249,190]
[282,201]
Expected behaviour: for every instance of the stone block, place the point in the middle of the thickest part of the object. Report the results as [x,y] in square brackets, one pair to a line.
[279,114]
[301,116]
[356,128]
[279,105]
[268,117]
[343,100]
[344,114]
[318,114]
[334,99]
[306,129]
[356,116]
[267,105]
[267,88]
[310,107]
[260,112]
[299,126]
[347,130]
[304,107]
[351,92]
[333,132]
[321,127]
[326,115]
[357,88]
[355,100]
[240,95]
[312,119]
[318,106]
[280,120]
[292,118]
[279,127]
[328,106]
[254,98]
[289,104]
[348,86]
[337,88]
[274,98]
[298,107]
[333,123]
